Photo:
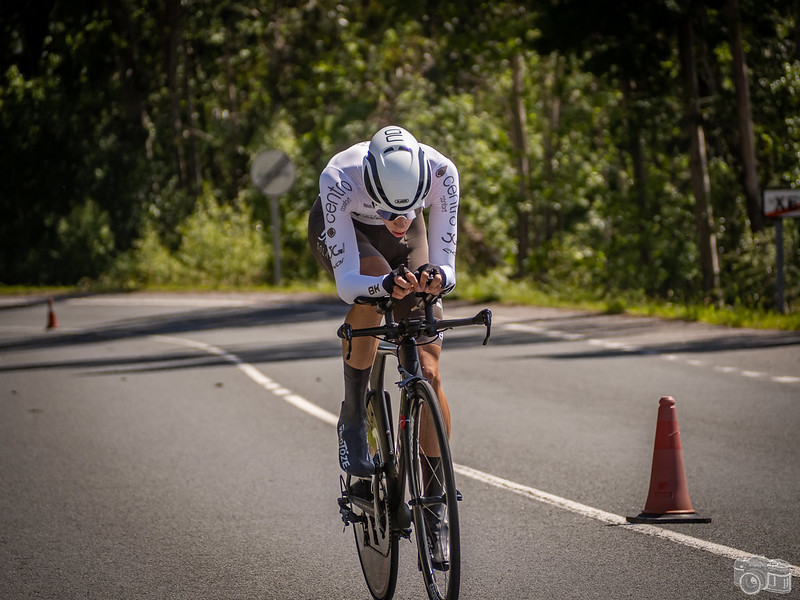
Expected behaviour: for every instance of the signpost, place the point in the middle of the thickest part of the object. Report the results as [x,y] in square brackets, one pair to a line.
[272,172]
[780,204]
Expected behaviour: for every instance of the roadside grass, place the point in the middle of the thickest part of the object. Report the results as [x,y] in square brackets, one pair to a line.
[32,290]
[499,289]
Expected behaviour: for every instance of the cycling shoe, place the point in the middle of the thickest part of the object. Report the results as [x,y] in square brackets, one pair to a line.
[354,458]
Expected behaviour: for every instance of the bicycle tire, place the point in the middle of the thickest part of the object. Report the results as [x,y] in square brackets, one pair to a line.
[442,577]
[376,542]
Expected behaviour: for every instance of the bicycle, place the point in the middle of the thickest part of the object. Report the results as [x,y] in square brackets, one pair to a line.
[377,508]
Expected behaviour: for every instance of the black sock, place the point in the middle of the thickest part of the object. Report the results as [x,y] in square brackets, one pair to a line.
[355,389]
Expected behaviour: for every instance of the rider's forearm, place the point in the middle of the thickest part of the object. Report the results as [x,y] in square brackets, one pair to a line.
[353,284]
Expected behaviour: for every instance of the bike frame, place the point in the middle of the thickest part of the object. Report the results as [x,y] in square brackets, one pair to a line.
[381,520]
[407,355]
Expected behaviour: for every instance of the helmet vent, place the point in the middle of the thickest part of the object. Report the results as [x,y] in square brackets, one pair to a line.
[391,149]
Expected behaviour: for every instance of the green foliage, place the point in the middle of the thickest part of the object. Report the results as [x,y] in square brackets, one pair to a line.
[221,246]
[85,244]
[128,131]
[147,263]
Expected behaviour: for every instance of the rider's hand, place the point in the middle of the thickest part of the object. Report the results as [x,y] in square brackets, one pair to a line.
[430,279]
[400,283]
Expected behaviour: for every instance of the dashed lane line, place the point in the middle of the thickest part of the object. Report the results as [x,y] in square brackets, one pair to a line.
[618,346]
[504,484]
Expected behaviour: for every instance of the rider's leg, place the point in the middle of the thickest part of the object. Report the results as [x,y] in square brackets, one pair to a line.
[354,455]
[429,359]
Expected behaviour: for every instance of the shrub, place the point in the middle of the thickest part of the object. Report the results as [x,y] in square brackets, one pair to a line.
[220,246]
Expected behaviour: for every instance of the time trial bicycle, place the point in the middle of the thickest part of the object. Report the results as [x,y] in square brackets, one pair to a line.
[414,482]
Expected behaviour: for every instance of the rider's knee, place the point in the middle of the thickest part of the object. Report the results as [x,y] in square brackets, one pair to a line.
[431,373]
[429,361]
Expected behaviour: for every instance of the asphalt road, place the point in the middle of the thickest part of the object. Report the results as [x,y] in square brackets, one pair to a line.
[181,446]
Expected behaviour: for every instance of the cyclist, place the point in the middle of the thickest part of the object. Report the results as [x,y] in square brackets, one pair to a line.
[367,229]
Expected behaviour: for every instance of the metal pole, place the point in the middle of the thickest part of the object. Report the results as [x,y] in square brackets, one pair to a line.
[276,239]
[779,265]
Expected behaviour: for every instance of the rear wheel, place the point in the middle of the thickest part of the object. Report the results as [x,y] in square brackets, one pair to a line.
[375,541]
[434,499]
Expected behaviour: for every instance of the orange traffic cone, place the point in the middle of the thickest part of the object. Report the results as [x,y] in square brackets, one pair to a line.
[52,320]
[668,500]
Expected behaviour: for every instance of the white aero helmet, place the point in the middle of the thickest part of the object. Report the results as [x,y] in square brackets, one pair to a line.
[396,174]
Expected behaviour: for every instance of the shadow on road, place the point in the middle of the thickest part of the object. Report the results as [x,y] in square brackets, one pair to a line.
[194,321]
[184,323]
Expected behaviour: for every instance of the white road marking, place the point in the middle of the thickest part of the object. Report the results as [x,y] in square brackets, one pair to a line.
[753,374]
[611,345]
[607,517]
[504,484]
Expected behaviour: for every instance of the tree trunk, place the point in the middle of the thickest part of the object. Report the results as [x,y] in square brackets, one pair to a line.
[635,149]
[519,139]
[191,156]
[132,84]
[745,118]
[550,142]
[173,43]
[701,187]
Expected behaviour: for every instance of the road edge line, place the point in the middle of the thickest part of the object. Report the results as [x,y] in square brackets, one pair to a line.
[506,484]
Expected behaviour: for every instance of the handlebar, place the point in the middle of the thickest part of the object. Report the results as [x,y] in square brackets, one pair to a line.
[408,327]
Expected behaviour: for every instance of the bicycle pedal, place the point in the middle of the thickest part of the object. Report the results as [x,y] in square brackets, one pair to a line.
[344,511]
[347,514]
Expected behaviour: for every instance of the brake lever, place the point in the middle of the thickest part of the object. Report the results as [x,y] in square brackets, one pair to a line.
[485,318]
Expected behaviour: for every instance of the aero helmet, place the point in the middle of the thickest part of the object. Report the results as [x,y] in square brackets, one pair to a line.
[396,174]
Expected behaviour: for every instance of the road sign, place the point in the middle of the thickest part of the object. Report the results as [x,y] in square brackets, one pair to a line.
[781,203]
[272,172]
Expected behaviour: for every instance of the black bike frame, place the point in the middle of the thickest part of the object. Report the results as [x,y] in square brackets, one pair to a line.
[396,467]
[410,369]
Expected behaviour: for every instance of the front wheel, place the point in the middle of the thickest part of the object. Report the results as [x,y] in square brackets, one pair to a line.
[433,495]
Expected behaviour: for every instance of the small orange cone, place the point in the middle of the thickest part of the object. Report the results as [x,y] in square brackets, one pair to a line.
[668,499]
[52,320]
